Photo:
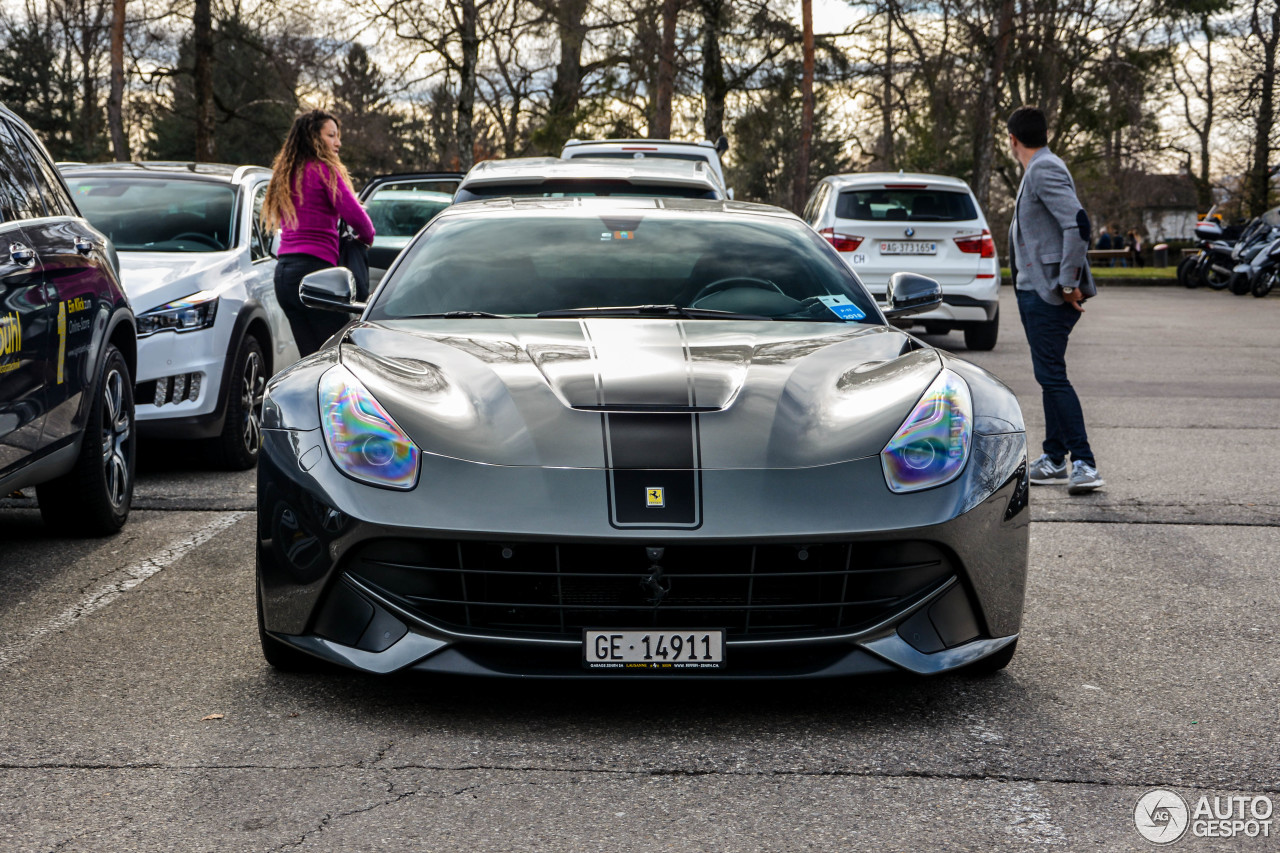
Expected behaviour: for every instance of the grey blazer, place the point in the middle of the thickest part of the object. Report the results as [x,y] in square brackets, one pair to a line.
[1049,238]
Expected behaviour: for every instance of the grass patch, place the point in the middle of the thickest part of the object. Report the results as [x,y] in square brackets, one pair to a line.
[1104,273]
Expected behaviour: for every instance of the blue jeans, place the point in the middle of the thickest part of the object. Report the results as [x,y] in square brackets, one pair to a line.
[1048,327]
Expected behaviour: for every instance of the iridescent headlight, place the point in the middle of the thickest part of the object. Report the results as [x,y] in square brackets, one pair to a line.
[365,443]
[932,445]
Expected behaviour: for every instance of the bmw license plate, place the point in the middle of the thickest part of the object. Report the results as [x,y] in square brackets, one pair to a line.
[908,247]
[653,651]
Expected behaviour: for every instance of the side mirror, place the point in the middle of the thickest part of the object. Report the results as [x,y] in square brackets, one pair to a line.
[722,145]
[333,289]
[910,293]
[729,192]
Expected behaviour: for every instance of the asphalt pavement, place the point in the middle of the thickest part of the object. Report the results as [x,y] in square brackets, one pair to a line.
[136,712]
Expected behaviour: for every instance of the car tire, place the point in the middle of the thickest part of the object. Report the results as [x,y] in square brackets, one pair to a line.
[279,655]
[992,664]
[93,498]
[236,449]
[981,337]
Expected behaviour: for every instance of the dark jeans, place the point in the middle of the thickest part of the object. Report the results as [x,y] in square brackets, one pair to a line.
[1048,327]
[311,327]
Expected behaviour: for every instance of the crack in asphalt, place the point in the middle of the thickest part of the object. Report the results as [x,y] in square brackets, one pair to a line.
[940,775]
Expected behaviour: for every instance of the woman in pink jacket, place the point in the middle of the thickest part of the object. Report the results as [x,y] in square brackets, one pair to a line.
[309,192]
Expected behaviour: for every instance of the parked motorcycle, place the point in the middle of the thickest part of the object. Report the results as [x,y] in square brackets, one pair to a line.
[1258,237]
[1264,271]
[1212,265]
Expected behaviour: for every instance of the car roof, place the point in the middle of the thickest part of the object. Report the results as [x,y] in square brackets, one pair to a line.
[641,143]
[903,180]
[621,205]
[166,168]
[534,170]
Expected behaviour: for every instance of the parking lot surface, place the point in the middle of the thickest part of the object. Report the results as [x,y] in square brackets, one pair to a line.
[137,713]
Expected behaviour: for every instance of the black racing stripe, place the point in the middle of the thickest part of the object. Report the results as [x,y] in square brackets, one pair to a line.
[653,478]
[651,441]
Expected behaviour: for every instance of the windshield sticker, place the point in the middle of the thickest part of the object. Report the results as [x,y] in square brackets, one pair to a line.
[842,307]
[618,235]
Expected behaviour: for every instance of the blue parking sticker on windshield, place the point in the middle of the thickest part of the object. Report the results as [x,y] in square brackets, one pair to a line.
[842,307]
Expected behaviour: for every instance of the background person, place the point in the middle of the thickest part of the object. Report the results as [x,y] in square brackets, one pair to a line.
[1048,252]
[308,193]
[1135,248]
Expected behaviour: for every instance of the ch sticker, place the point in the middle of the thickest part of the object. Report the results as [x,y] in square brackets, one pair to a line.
[654,497]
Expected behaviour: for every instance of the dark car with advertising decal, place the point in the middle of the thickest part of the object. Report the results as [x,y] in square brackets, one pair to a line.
[636,437]
[67,348]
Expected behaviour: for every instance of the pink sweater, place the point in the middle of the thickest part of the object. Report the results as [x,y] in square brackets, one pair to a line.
[316,231]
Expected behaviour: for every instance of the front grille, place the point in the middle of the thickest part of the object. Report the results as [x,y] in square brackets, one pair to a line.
[556,590]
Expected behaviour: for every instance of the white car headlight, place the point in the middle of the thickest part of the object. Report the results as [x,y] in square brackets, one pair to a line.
[363,440]
[932,445]
[197,311]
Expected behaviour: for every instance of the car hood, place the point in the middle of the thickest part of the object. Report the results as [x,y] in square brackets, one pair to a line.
[153,279]
[544,392]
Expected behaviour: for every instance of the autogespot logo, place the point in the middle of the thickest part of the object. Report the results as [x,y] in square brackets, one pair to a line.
[1161,816]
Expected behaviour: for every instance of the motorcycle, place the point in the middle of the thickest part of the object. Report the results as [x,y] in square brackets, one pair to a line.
[1260,234]
[1212,265]
[1264,271]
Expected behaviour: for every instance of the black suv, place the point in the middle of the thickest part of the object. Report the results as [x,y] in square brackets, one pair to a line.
[68,348]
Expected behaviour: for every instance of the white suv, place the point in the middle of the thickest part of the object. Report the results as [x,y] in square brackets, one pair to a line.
[199,271]
[887,222]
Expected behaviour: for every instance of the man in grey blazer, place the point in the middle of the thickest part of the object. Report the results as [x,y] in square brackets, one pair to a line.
[1048,246]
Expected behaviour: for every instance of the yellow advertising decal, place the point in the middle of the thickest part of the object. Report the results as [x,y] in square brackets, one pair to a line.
[10,341]
[62,339]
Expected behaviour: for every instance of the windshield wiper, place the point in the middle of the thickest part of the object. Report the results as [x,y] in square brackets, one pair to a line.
[652,311]
[455,315]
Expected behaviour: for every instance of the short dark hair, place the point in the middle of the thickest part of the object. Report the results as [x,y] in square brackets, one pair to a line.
[1028,126]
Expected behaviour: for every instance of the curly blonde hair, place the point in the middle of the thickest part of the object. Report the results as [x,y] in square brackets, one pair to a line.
[302,146]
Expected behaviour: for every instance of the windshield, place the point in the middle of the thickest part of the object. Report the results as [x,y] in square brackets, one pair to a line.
[571,188]
[526,263]
[906,205]
[402,213]
[157,215]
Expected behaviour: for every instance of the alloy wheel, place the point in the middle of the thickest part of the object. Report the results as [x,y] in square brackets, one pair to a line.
[252,385]
[117,425]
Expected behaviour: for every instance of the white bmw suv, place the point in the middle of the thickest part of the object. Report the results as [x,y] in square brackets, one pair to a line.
[887,222]
[199,271]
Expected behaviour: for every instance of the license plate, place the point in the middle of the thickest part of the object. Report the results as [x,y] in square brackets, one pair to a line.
[908,247]
[653,651]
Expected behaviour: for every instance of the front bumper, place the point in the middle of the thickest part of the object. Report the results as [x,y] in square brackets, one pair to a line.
[378,581]
[167,363]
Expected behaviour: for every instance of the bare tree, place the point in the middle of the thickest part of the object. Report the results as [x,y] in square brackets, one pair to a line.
[801,189]
[115,102]
[202,46]
[661,126]
[1264,31]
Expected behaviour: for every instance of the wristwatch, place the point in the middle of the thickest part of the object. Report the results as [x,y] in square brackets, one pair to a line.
[1066,291]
